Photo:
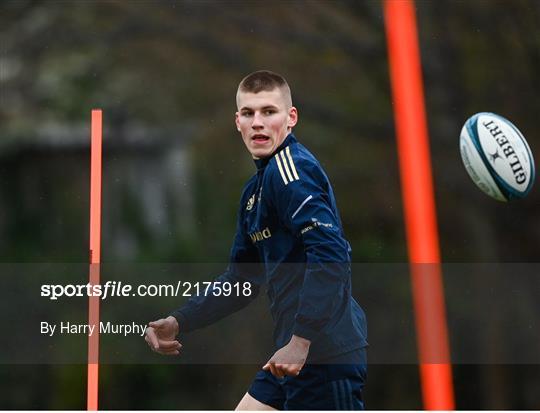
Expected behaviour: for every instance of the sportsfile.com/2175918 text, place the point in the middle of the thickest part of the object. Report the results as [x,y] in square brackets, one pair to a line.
[120,289]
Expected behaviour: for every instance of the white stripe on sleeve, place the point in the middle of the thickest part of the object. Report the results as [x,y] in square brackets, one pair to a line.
[301,205]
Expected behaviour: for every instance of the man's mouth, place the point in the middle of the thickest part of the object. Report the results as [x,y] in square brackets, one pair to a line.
[259,138]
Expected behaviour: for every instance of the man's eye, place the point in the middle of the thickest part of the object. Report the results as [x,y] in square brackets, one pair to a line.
[247,113]
[269,112]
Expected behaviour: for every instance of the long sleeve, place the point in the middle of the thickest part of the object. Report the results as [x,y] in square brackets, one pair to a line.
[306,206]
[203,310]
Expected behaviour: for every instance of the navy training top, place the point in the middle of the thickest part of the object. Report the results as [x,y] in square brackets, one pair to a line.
[289,236]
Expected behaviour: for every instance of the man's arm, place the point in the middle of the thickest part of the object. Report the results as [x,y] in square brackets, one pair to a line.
[203,310]
[244,267]
[207,308]
[305,207]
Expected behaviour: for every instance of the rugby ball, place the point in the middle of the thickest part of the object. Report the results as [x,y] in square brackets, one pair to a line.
[497,156]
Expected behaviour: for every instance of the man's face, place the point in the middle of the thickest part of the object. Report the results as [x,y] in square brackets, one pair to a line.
[264,119]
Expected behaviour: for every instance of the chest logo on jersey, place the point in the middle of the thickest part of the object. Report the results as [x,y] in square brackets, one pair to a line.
[250,203]
[260,235]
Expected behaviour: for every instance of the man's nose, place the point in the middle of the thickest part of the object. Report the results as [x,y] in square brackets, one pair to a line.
[257,121]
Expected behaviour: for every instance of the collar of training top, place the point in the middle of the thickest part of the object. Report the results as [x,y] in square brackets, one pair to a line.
[261,163]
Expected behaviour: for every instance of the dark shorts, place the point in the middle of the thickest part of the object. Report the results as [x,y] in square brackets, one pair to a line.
[328,385]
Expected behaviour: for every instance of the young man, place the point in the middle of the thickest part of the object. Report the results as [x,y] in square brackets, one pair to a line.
[288,236]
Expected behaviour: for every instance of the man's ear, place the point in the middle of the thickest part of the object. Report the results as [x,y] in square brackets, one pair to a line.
[293,117]
[237,120]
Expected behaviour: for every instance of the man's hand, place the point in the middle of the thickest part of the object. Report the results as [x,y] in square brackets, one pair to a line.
[289,360]
[160,336]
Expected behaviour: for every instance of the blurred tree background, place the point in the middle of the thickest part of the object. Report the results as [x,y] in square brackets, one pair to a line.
[165,74]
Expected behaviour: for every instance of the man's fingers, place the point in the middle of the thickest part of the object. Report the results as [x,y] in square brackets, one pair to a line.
[157,324]
[158,345]
[275,371]
[292,371]
[152,347]
[281,370]
[288,369]
[169,345]
[151,338]
[167,351]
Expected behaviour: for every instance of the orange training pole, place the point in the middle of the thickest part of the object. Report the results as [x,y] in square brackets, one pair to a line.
[419,204]
[95,257]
